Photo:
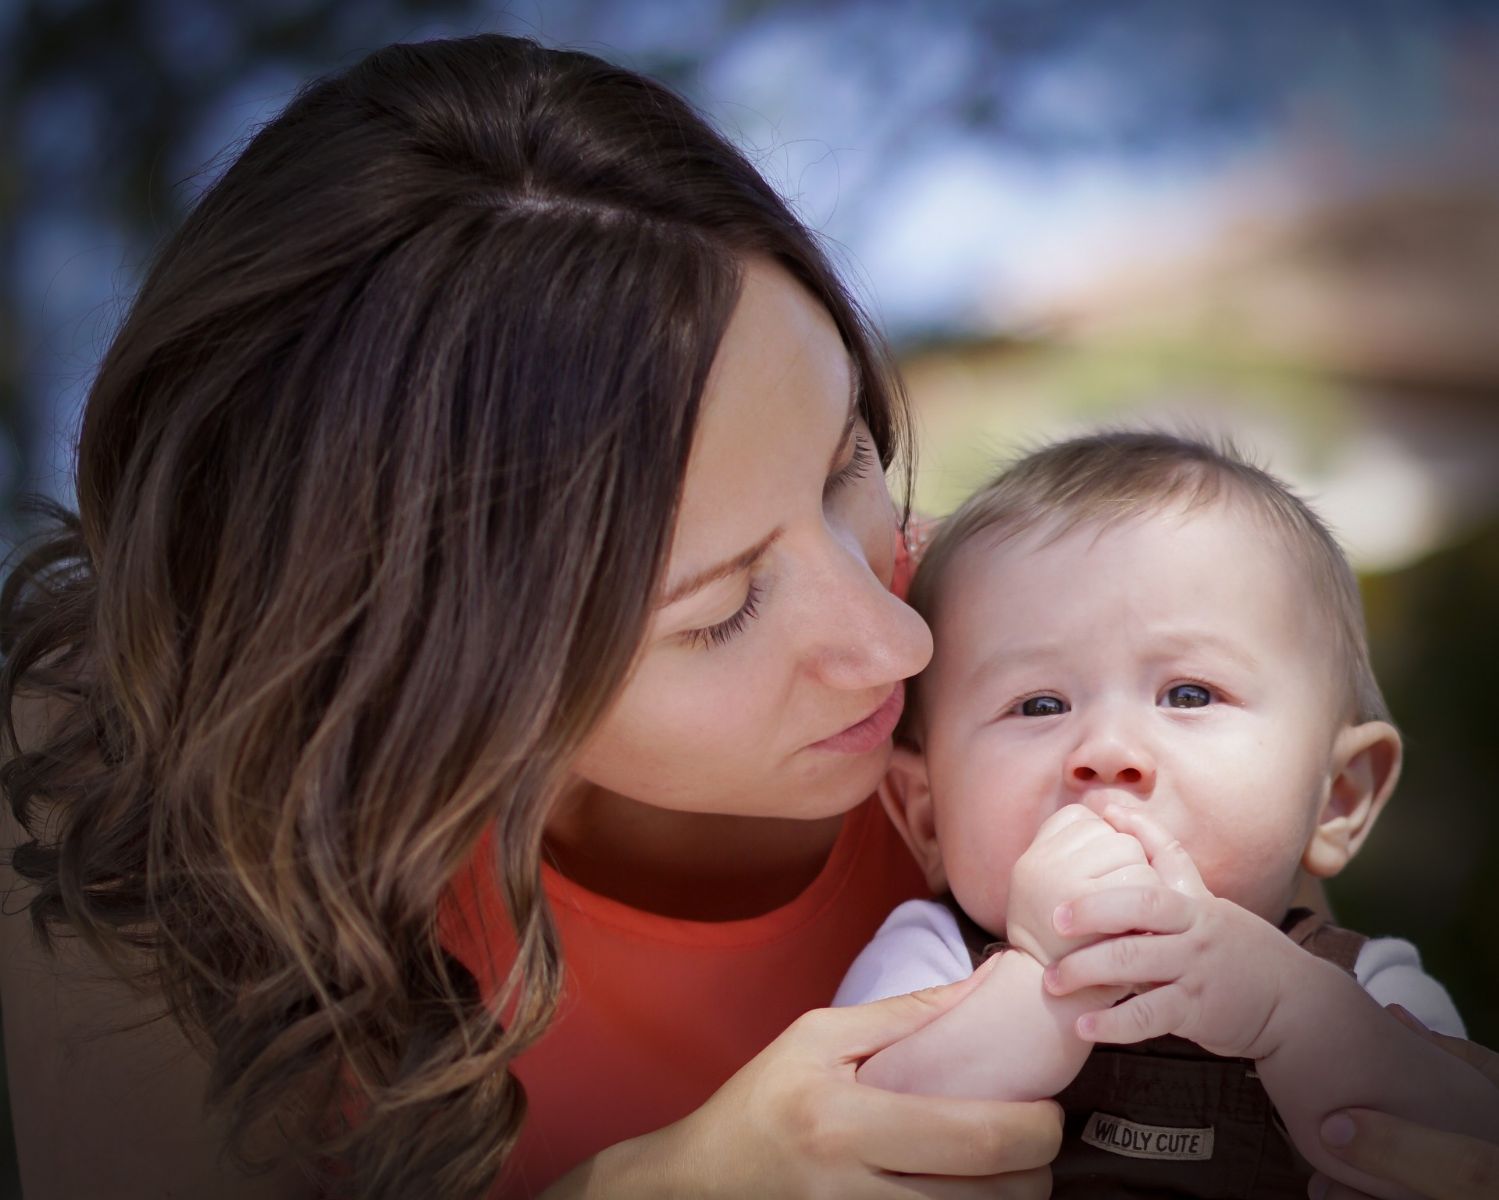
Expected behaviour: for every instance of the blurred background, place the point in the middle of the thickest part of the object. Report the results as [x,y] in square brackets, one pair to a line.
[1279,220]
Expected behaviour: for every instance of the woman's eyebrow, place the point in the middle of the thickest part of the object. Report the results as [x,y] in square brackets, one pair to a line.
[730,566]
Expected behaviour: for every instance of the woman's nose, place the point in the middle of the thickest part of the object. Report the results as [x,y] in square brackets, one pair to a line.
[865,636]
[1110,759]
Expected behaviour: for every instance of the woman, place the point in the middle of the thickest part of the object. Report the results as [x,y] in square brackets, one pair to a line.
[489,471]
[464,678]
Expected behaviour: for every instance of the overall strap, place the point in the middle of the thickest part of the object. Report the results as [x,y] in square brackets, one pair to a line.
[1317,935]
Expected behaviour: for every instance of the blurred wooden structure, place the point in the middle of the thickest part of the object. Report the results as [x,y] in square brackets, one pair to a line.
[1355,345]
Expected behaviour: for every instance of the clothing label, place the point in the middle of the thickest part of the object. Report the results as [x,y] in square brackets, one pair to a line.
[1118,1136]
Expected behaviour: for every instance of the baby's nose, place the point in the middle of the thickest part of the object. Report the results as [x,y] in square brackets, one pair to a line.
[1111,764]
[1124,775]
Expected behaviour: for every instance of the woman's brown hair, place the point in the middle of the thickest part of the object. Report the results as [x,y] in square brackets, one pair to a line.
[375,486]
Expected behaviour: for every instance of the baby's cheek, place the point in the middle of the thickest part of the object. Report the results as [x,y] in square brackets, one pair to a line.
[1256,876]
[979,874]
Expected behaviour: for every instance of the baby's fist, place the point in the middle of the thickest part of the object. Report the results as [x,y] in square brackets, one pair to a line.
[1074,851]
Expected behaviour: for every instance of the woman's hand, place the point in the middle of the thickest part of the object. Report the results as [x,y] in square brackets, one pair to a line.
[1442,1166]
[794,1122]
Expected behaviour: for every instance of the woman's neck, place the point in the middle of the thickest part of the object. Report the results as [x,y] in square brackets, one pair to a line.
[694,866]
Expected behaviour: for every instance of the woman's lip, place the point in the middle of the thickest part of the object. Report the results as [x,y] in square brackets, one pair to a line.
[865,735]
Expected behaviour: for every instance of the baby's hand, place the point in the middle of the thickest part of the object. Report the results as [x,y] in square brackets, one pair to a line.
[1073,853]
[1206,969]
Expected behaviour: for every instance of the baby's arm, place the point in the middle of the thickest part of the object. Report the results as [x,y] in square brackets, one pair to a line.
[1009,1039]
[1238,987]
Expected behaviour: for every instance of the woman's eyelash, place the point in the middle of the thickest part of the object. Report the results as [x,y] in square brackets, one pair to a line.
[858,466]
[717,635]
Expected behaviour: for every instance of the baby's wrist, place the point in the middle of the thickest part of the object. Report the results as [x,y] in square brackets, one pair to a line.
[1300,1004]
[1045,947]
[1023,939]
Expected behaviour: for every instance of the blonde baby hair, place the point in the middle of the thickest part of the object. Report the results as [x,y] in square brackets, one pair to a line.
[1119,474]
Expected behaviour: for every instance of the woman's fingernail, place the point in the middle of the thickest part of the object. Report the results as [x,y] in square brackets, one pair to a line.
[1049,978]
[1317,1188]
[1062,918]
[1337,1130]
[1406,1017]
[1086,1024]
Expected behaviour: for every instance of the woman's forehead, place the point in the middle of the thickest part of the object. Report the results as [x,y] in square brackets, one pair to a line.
[774,412]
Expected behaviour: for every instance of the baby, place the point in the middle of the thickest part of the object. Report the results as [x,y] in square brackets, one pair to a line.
[1149,723]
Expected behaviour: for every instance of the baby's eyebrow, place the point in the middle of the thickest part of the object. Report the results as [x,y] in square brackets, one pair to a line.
[1022,654]
[1188,641]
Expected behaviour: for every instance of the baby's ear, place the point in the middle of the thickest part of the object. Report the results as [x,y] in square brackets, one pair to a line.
[1365,766]
[907,797]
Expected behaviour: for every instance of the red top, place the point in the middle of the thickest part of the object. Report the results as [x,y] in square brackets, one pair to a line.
[657,1012]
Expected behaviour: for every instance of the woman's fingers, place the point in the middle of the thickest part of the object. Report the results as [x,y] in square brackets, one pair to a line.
[1125,910]
[794,1121]
[1480,1058]
[1027,1185]
[1445,1166]
[1320,1187]
[849,1035]
[938,1135]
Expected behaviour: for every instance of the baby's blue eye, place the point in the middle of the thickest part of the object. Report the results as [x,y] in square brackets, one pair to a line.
[1188,695]
[1043,706]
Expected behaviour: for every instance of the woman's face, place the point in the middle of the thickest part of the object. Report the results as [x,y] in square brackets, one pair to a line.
[769,680]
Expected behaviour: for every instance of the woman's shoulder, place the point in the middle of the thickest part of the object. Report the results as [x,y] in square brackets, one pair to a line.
[106,1092]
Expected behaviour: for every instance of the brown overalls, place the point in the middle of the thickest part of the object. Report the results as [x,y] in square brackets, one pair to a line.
[1165,1118]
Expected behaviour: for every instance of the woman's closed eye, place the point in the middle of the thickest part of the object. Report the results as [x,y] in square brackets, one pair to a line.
[859,462]
[723,631]
[861,458]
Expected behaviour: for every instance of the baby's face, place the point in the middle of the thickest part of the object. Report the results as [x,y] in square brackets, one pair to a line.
[1175,662]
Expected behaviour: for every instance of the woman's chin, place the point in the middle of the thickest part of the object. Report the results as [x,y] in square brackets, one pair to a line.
[835,783]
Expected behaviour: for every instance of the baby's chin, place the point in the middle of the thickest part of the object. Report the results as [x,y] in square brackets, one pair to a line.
[991,922]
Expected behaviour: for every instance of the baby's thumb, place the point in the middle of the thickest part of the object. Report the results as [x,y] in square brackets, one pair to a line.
[1168,857]
[1177,870]
[856,1032]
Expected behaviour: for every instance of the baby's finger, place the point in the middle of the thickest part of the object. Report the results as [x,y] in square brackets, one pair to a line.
[1070,814]
[1134,875]
[1125,910]
[1152,1014]
[1121,961]
[1167,855]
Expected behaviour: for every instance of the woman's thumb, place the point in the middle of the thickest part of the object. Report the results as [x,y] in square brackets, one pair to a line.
[860,1030]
